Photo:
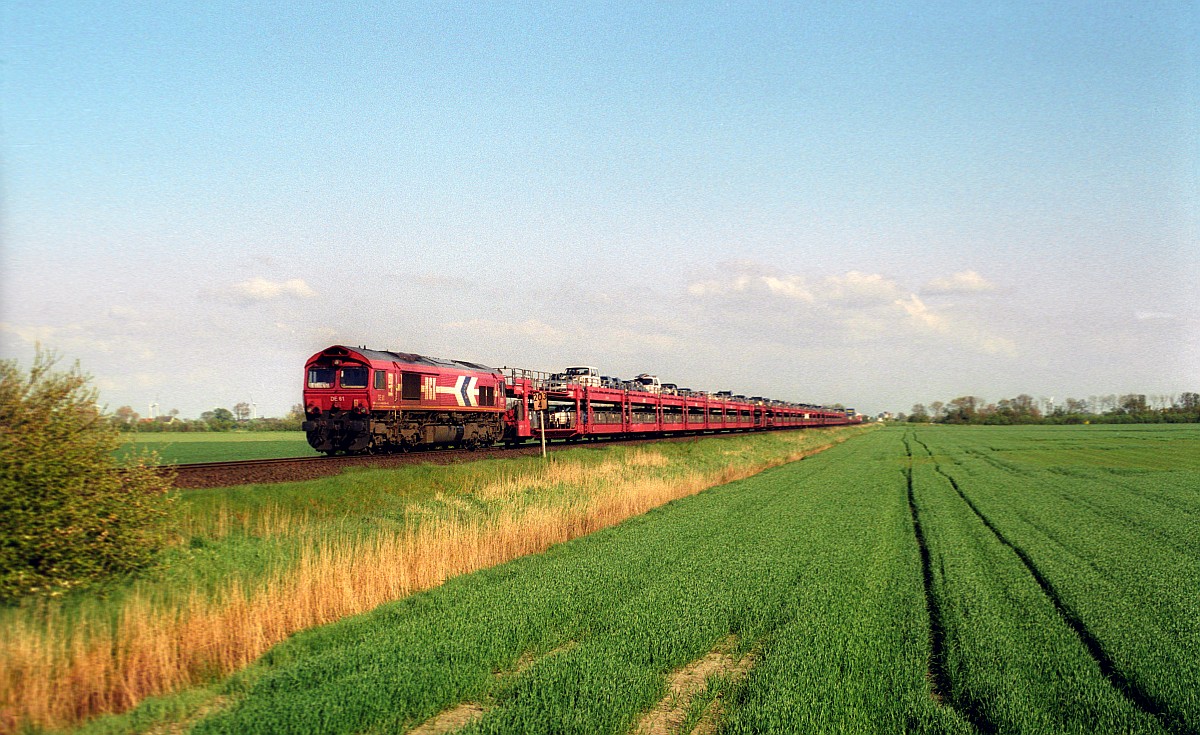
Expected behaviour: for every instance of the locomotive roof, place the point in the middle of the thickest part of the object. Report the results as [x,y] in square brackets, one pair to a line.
[415,359]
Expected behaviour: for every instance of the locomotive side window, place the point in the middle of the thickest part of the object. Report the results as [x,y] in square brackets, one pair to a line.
[410,387]
[380,380]
[354,377]
[487,396]
[319,377]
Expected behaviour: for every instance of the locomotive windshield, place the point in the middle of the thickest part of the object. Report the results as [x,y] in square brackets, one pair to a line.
[354,377]
[320,377]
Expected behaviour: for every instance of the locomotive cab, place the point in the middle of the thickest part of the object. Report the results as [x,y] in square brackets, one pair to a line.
[337,403]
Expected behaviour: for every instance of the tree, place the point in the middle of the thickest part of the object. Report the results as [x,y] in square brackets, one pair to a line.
[937,409]
[70,513]
[125,417]
[1025,405]
[1076,406]
[962,410]
[1133,403]
[218,419]
[294,419]
[919,415]
[241,411]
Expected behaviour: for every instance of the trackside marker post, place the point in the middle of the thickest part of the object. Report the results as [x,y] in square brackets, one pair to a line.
[540,404]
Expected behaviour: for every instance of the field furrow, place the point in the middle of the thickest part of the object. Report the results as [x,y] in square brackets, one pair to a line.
[939,677]
[1136,696]
[857,656]
[1132,593]
[1015,661]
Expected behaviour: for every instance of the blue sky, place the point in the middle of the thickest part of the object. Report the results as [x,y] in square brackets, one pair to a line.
[871,203]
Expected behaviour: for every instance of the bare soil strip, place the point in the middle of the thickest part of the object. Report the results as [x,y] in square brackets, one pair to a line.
[450,720]
[461,715]
[669,715]
[529,658]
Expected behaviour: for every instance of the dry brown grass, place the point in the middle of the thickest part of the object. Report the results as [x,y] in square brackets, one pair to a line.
[53,674]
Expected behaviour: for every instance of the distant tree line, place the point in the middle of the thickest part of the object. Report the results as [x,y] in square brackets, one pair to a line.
[218,419]
[1131,408]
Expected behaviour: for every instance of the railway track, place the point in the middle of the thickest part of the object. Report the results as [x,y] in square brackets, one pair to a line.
[245,463]
[263,471]
[288,469]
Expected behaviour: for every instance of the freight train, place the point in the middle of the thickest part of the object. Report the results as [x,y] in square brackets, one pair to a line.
[358,400]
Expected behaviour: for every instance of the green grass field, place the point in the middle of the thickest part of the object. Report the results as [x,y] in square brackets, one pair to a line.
[315,551]
[917,579]
[1091,538]
[222,446]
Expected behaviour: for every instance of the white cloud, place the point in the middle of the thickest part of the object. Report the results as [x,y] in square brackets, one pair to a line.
[853,306]
[793,287]
[920,314]
[861,287]
[852,286]
[30,334]
[260,289]
[963,282]
[925,320]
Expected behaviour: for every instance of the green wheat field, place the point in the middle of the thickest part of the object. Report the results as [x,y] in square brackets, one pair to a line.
[913,579]
[223,446]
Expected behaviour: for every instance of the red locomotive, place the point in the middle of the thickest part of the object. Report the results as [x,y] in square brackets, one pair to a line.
[359,400]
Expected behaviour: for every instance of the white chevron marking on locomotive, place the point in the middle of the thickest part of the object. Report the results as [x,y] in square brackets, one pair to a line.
[463,390]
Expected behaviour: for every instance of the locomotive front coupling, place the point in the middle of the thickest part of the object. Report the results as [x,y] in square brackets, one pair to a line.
[338,431]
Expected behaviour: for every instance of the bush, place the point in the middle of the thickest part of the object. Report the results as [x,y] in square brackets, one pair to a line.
[70,513]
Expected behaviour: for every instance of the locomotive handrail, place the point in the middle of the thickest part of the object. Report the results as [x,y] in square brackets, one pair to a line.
[537,377]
